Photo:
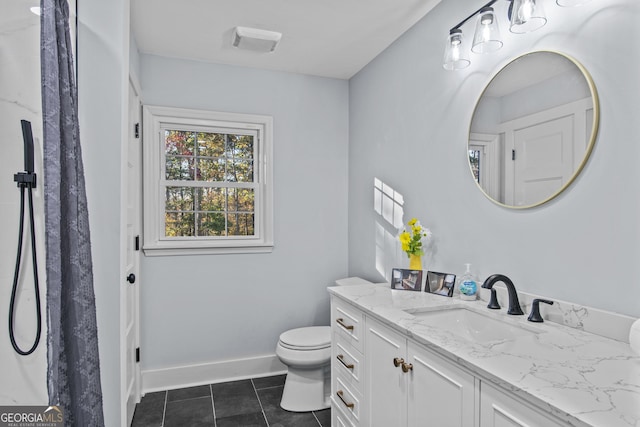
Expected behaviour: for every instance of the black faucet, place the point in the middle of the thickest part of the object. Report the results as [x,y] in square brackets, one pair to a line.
[514,304]
[535,310]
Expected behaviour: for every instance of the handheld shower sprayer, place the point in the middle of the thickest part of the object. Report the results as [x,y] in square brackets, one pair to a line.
[26,181]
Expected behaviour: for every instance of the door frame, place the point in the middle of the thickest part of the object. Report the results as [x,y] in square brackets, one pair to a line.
[126,354]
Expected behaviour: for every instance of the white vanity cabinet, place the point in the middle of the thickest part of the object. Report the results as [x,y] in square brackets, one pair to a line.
[498,409]
[382,378]
[408,385]
[394,369]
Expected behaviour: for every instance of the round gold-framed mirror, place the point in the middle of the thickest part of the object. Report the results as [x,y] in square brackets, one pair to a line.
[533,129]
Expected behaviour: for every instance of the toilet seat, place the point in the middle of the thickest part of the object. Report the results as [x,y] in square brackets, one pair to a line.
[307,339]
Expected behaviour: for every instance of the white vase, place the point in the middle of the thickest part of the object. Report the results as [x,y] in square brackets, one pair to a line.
[634,337]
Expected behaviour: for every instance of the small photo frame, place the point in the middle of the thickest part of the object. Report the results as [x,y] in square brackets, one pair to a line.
[440,283]
[406,280]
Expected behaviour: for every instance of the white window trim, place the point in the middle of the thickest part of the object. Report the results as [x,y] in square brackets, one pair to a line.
[155,242]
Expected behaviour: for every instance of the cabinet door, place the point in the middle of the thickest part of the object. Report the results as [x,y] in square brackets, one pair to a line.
[386,384]
[500,410]
[439,393]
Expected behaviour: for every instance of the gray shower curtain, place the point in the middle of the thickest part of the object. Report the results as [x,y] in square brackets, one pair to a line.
[73,372]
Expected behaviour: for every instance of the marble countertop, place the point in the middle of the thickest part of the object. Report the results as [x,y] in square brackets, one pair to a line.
[581,378]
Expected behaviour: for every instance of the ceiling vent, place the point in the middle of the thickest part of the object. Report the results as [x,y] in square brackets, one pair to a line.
[256,39]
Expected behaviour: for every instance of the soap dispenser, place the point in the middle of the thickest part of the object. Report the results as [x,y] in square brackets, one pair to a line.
[468,285]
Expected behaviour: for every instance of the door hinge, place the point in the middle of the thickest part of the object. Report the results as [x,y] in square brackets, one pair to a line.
[513,154]
[137,354]
[137,243]
[136,130]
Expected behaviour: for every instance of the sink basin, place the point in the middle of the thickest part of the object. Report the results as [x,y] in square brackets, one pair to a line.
[473,326]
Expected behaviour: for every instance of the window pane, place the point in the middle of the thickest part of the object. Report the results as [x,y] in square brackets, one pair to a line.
[240,170]
[210,170]
[240,146]
[212,199]
[211,224]
[210,144]
[240,200]
[179,142]
[179,199]
[179,224]
[240,224]
[193,212]
[179,168]
[474,161]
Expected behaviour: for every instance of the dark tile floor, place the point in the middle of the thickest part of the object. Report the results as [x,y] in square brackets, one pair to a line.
[254,402]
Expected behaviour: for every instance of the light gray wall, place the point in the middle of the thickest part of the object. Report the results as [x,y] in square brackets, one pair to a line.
[103,63]
[134,58]
[206,308]
[23,377]
[409,122]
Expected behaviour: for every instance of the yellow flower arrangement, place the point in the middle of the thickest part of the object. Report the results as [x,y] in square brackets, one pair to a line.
[412,242]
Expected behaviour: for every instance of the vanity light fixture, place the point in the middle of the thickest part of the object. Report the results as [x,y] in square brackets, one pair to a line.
[455,58]
[524,16]
[487,35]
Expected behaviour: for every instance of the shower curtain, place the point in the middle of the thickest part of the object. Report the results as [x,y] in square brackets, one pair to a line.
[73,371]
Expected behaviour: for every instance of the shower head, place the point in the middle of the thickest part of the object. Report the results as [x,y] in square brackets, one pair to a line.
[27,136]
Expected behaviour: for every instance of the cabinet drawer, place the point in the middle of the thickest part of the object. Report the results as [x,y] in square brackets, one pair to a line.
[348,322]
[338,417]
[347,362]
[347,400]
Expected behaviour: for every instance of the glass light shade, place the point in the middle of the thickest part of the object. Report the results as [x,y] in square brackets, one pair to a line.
[571,3]
[527,16]
[487,36]
[455,58]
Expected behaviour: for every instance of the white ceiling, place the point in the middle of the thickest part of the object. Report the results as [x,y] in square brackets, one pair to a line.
[529,70]
[330,38]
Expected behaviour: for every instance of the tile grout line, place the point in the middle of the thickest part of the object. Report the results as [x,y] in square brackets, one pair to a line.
[164,407]
[259,402]
[317,420]
[190,398]
[267,388]
[213,406]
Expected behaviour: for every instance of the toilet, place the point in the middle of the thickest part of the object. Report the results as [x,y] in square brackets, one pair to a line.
[307,354]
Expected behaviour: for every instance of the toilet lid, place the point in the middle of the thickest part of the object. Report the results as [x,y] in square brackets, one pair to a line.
[311,338]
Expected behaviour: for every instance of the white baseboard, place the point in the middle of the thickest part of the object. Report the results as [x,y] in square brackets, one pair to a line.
[211,373]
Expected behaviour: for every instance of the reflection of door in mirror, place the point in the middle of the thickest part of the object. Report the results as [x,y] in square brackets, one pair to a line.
[484,158]
[545,149]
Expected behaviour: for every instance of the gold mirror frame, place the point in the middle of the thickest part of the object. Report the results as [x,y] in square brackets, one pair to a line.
[589,146]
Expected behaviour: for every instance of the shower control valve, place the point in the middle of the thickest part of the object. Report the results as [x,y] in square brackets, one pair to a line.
[25,179]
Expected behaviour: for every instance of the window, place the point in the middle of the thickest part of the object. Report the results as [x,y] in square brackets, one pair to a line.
[207,182]
[475,159]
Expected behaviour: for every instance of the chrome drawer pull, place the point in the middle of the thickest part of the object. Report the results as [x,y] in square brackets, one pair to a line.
[339,393]
[344,325]
[340,357]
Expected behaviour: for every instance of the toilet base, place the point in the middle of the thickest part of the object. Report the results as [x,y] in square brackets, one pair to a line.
[304,390]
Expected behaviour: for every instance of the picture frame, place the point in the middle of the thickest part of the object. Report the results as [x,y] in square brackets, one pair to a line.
[406,280]
[440,283]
